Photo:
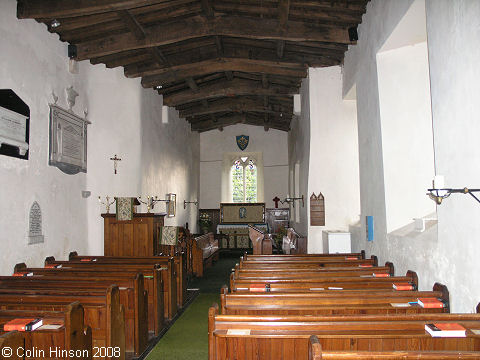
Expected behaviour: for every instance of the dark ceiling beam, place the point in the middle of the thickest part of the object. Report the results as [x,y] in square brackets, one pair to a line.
[207,8]
[237,119]
[198,26]
[236,87]
[283,11]
[171,74]
[265,83]
[132,24]
[32,9]
[233,105]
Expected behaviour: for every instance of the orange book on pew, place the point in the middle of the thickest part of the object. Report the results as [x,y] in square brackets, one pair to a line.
[52,266]
[258,287]
[446,330]
[351,258]
[402,286]
[85,259]
[381,275]
[22,324]
[365,265]
[22,273]
[430,303]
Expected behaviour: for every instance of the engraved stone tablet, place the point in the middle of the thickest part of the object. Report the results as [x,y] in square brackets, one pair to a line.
[13,127]
[35,235]
[68,141]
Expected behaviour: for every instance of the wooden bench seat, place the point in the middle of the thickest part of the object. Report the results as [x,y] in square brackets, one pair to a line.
[205,251]
[315,352]
[153,277]
[12,340]
[330,303]
[301,257]
[309,263]
[179,260]
[133,298]
[103,313]
[71,335]
[325,283]
[287,337]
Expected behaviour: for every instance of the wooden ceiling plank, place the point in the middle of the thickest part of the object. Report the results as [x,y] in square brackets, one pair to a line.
[132,24]
[31,9]
[196,27]
[232,88]
[207,8]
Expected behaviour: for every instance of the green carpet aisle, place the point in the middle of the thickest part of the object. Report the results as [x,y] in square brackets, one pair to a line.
[187,339]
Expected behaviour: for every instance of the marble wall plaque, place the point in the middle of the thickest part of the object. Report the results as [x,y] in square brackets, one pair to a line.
[35,233]
[68,141]
[13,129]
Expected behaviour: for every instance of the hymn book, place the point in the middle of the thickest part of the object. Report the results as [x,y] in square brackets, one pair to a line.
[22,324]
[402,286]
[430,303]
[446,330]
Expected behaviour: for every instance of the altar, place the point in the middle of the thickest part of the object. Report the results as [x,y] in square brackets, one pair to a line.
[234,221]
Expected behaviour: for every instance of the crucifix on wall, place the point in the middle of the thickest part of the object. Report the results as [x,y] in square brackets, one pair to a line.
[115,160]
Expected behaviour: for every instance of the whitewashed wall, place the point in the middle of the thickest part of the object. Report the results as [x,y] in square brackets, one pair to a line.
[299,160]
[453,55]
[454,51]
[272,144]
[333,166]
[158,156]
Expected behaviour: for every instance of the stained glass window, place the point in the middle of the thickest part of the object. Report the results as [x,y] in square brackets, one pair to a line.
[244,180]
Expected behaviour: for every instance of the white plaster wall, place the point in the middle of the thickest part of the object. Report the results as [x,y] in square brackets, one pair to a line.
[407,138]
[299,160]
[159,155]
[333,168]
[454,52]
[33,62]
[272,144]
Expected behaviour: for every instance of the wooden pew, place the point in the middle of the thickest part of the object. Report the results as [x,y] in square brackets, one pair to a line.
[326,283]
[133,298]
[261,241]
[287,273]
[315,352]
[330,302]
[301,257]
[179,260]
[309,263]
[277,337]
[152,277]
[103,313]
[71,336]
[205,251]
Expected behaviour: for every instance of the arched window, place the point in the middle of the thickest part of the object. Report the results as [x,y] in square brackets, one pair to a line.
[244,180]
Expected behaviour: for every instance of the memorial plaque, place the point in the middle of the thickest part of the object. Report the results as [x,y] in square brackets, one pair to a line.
[68,141]
[35,234]
[13,129]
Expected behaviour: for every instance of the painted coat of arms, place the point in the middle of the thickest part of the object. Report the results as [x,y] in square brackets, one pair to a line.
[242,141]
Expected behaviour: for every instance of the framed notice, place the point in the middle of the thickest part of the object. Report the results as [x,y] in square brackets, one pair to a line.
[171,205]
[68,141]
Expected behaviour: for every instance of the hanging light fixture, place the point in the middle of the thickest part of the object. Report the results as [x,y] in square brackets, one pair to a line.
[55,24]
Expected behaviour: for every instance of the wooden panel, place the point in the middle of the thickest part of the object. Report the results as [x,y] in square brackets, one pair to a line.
[317,210]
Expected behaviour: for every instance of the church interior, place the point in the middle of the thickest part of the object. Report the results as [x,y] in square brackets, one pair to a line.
[159,156]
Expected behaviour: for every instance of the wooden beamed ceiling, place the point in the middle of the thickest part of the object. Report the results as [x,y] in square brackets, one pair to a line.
[218,62]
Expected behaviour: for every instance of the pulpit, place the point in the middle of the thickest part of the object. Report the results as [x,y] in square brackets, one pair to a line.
[136,237]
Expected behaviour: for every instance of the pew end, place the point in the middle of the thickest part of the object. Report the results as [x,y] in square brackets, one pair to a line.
[115,317]
[72,255]
[49,260]
[445,295]
[314,348]
[231,281]
[19,267]
[392,268]
[413,275]
[212,312]
[223,300]
[12,340]
[362,253]
[79,336]
[375,260]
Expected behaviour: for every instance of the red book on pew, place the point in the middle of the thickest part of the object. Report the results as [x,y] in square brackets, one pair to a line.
[365,265]
[23,273]
[430,303]
[22,324]
[402,286]
[381,275]
[351,258]
[446,330]
[258,287]
[52,266]
[85,259]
